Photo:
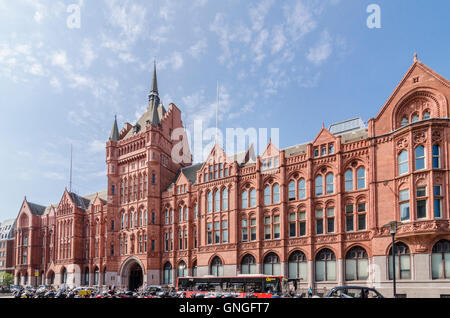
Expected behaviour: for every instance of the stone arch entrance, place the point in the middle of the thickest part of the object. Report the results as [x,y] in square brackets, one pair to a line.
[132,274]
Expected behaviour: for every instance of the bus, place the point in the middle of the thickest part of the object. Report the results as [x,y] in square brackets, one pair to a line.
[260,286]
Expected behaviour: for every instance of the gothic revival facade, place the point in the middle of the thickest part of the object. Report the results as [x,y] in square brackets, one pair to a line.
[314,213]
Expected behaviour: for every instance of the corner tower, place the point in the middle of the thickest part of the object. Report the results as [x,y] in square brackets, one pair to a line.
[140,167]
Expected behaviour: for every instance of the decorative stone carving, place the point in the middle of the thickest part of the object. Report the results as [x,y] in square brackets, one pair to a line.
[402,143]
[436,136]
[325,239]
[299,241]
[357,236]
[420,137]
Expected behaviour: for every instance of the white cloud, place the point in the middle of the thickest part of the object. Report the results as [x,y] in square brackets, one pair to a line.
[55,83]
[199,48]
[87,53]
[175,61]
[300,20]
[96,146]
[258,13]
[59,58]
[53,175]
[36,69]
[322,50]
[278,39]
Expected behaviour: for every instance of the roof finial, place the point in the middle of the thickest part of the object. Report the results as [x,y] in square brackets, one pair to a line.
[323,125]
[415,57]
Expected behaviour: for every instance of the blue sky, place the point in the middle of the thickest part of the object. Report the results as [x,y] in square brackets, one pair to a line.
[291,65]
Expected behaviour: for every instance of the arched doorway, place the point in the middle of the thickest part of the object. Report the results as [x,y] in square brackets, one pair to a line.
[135,278]
[132,274]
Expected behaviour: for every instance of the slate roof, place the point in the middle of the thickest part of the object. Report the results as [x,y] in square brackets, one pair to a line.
[36,209]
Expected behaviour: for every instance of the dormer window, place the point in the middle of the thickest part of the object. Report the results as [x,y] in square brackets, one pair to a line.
[331,149]
[323,151]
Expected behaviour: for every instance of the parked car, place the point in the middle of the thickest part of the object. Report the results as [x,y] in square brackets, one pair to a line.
[353,292]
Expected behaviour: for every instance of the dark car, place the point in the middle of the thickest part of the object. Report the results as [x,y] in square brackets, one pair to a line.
[353,292]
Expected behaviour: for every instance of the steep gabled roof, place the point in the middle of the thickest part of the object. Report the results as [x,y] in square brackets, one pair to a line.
[189,172]
[36,209]
[416,64]
[79,201]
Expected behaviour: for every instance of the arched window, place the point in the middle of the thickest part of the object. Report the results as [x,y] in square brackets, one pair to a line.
[216,268]
[122,219]
[330,183]
[356,264]
[298,266]
[267,199]
[276,193]
[436,156]
[225,199]
[248,265]
[414,118]
[402,262]
[252,198]
[405,121]
[182,269]
[64,276]
[244,199]
[301,189]
[167,279]
[209,201]
[194,269]
[104,276]
[349,180]
[96,275]
[426,115]
[217,201]
[272,264]
[325,265]
[319,185]
[440,260]
[420,157]
[403,162]
[292,190]
[361,178]
[86,276]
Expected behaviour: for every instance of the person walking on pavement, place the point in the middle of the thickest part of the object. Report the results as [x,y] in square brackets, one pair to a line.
[309,292]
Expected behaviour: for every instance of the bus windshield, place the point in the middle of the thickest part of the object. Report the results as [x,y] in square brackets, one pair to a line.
[238,284]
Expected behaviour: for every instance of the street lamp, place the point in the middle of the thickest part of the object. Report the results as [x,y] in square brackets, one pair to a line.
[393,229]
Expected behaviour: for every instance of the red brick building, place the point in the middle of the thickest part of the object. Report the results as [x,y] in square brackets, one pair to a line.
[315,212]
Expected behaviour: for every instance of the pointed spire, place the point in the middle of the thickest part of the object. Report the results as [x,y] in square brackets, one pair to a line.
[114,131]
[415,57]
[154,81]
[153,99]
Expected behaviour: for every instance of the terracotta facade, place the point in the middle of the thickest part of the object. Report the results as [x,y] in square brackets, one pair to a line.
[315,211]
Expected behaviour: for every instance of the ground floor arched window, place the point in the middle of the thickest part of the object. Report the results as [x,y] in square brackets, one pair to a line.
[86,276]
[402,262]
[248,265]
[182,269]
[216,268]
[96,275]
[297,266]
[440,260]
[272,264]
[325,265]
[104,276]
[356,264]
[64,276]
[194,269]
[167,279]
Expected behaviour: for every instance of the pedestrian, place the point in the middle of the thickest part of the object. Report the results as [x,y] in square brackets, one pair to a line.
[310,292]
